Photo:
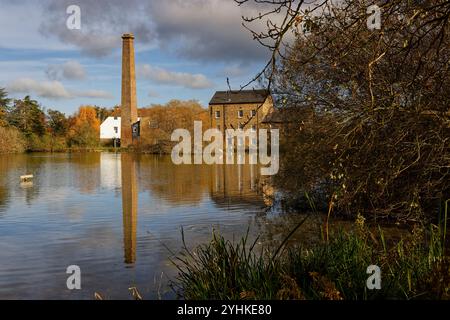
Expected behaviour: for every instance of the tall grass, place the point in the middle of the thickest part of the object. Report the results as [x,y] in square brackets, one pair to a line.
[415,267]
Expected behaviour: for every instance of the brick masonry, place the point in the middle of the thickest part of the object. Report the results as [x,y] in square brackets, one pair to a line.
[229,118]
[129,104]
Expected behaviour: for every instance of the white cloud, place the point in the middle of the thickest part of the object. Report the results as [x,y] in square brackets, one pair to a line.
[102,23]
[52,90]
[195,29]
[96,94]
[45,89]
[207,29]
[71,70]
[181,79]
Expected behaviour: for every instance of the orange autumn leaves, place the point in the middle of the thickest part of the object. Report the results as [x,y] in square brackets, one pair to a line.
[85,127]
[158,122]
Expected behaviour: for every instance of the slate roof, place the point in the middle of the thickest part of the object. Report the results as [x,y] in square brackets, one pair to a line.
[239,97]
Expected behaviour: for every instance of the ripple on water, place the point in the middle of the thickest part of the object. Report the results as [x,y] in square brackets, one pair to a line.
[81,210]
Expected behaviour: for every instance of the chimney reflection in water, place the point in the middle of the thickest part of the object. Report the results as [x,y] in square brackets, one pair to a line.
[129,206]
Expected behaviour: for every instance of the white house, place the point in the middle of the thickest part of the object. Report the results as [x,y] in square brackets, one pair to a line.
[110,128]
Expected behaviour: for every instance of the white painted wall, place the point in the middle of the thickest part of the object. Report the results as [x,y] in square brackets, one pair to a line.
[107,128]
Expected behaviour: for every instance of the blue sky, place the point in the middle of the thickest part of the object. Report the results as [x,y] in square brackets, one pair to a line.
[185,49]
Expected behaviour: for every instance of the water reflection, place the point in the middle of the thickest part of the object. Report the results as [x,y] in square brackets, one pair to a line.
[89,173]
[83,209]
[129,206]
[234,184]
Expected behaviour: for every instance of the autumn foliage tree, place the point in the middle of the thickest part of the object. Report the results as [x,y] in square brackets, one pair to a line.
[84,128]
[161,120]
[369,127]
[4,104]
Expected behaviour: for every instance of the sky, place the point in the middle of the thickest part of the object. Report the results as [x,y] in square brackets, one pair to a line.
[185,49]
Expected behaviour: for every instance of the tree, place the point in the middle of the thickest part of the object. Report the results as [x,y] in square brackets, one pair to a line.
[164,119]
[4,104]
[370,108]
[28,116]
[84,128]
[57,122]
[102,113]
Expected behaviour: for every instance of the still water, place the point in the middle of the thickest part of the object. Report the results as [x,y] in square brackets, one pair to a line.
[116,216]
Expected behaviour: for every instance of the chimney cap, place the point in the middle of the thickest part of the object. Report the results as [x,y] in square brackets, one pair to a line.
[127,36]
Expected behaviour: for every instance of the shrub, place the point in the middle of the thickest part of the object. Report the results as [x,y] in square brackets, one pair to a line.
[414,267]
[11,140]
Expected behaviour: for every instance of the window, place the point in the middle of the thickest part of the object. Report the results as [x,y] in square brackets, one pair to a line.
[240,113]
[116,130]
[241,126]
[115,118]
[253,113]
[217,114]
[254,127]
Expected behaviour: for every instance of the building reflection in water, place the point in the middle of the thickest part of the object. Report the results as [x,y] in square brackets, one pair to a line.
[235,184]
[230,186]
[129,206]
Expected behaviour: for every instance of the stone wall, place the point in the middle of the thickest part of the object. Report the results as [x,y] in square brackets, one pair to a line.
[229,116]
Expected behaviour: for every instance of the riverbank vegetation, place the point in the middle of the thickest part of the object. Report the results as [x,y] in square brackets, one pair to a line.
[159,121]
[11,140]
[414,267]
[366,126]
[26,126]
[364,114]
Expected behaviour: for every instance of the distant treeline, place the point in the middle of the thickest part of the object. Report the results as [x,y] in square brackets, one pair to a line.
[26,126]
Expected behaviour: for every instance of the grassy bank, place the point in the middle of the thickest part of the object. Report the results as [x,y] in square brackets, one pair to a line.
[82,149]
[22,149]
[415,267]
[11,141]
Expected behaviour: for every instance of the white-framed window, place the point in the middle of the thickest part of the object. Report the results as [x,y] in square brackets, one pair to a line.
[253,113]
[240,113]
[254,127]
[217,114]
[115,118]
[240,141]
[116,129]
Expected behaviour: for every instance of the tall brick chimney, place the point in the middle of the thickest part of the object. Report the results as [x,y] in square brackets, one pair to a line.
[129,104]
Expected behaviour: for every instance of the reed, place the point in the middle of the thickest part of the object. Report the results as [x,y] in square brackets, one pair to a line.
[415,267]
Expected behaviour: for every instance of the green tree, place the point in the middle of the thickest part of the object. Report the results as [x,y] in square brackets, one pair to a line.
[4,104]
[28,116]
[102,113]
[57,122]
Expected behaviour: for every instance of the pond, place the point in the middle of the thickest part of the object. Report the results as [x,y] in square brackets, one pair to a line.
[116,216]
